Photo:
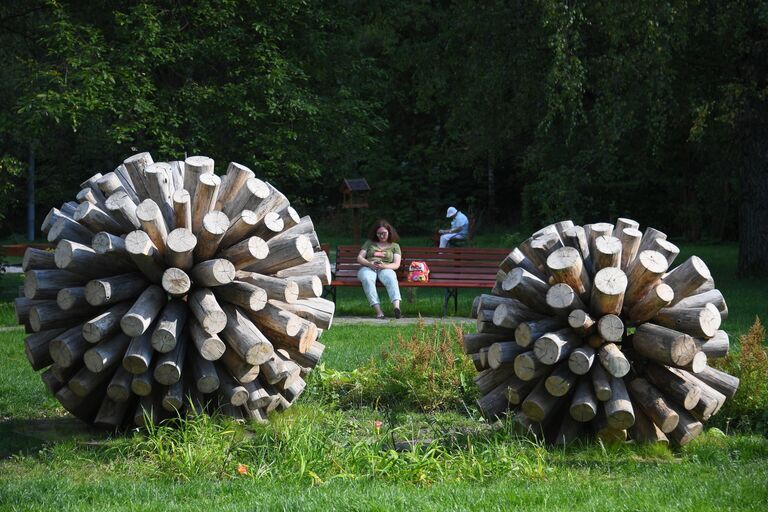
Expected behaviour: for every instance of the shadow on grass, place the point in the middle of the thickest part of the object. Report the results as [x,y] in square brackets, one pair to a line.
[30,435]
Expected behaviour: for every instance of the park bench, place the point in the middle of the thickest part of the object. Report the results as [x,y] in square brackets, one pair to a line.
[451,268]
[20,249]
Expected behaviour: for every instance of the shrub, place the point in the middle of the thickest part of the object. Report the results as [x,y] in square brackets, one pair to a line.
[426,371]
[748,409]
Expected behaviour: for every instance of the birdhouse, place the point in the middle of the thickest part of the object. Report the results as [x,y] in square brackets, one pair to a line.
[355,193]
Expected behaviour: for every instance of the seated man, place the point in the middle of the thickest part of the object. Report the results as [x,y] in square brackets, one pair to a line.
[459,227]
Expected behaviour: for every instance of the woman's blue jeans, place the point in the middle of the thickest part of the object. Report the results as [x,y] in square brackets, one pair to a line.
[388,278]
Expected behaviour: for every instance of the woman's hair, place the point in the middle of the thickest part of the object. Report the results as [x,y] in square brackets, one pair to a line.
[381,223]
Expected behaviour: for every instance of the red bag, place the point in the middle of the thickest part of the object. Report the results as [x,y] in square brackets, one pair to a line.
[418,272]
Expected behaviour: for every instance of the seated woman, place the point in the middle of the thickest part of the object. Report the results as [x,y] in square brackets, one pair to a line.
[380,257]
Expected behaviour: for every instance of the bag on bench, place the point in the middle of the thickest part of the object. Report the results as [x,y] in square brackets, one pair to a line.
[418,271]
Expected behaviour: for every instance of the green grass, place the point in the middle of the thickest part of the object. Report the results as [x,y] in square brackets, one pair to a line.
[317,456]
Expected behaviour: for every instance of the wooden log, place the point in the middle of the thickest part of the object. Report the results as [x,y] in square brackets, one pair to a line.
[698,322]
[284,328]
[566,266]
[274,202]
[315,310]
[719,380]
[48,315]
[495,404]
[289,216]
[643,274]
[207,310]
[182,209]
[503,353]
[111,290]
[159,186]
[687,277]
[562,299]
[651,303]
[68,348]
[209,346]
[144,311]
[54,214]
[618,409]
[85,382]
[610,328]
[649,239]
[284,253]
[715,347]
[308,359]
[123,208]
[258,397]
[539,405]
[204,373]
[553,347]
[180,246]
[666,248]
[645,431]
[64,373]
[653,404]
[600,382]
[702,299]
[248,197]
[241,227]
[96,219]
[45,284]
[211,273]
[167,331]
[194,167]
[245,338]
[509,315]
[292,392]
[664,345]
[246,252]
[472,343]
[613,360]
[82,260]
[576,237]
[110,183]
[483,356]
[212,229]
[119,388]
[309,287]
[608,290]
[605,432]
[242,371]
[489,379]
[607,253]
[234,180]
[142,385]
[23,306]
[277,288]
[106,324]
[561,381]
[152,223]
[173,398]
[110,245]
[319,266]
[230,391]
[527,332]
[528,367]
[581,359]
[527,288]
[543,246]
[243,294]
[66,228]
[107,354]
[687,427]
[630,243]
[176,282]
[135,165]
[698,363]
[269,226]
[38,259]
[138,356]
[583,406]
[169,365]
[145,255]
[710,400]
[581,322]
[204,199]
[37,348]
[515,259]
[673,385]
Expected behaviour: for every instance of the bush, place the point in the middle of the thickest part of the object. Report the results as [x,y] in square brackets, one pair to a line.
[426,371]
[748,409]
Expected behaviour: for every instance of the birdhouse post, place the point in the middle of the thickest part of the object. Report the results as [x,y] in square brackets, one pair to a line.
[354,197]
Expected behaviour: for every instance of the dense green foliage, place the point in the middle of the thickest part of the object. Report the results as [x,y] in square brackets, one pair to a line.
[528,111]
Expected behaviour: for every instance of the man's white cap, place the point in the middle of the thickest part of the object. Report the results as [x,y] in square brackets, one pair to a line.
[451,211]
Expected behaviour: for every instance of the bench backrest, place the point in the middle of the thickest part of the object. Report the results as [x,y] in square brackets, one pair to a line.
[473,266]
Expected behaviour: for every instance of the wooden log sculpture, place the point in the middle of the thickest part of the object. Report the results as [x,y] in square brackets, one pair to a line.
[172,290]
[592,330]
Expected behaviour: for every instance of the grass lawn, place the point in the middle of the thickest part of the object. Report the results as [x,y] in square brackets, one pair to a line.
[319,456]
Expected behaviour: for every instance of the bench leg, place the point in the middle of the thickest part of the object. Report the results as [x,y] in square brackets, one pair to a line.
[329,292]
[451,292]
